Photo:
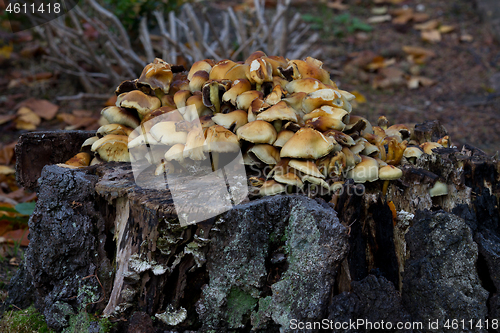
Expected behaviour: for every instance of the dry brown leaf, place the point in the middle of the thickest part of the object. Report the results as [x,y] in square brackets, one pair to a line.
[42,107]
[431,36]
[379,19]
[27,119]
[429,25]
[466,38]
[403,18]
[7,152]
[380,62]
[6,170]
[5,118]
[425,81]
[337,4]
[360,98]
[419,51]
[420,17]
[444,29]
[75,122]
[388,77]
[82,113]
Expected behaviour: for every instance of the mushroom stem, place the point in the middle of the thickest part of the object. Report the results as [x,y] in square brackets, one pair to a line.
[159,93]
[277,125]
[215,161]
[384,188]
[258,86]
[214,97]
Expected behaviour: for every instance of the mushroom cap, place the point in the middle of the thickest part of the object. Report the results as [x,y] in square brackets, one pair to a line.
[365,171]
[279,111]
[315,181]
[259,71]
[194,145]
[429,146]
[266,153]
[198,66]
[328,111]
[275,95]
[164,167]
[113,129]
[143,139]
[389,172]
[325,123]
[140,101]
[306,85]
[322,97]
[157,75]
[307,143]
[307,167]
[359,124]
[258,131]
[87,144]
[237,72]
[310,67]
[276,62]
[234,119]
[221,140]
[237,88]
[175,153]
[198,80]
[79,160]
[112,148]
[283,137]
[166,133]
[339,137]
[271,187]
[400,130]
[118,115]
[369,149]
[413,152]
[438,189]
[220,69]
[244,99]
[289,178]
[181,97]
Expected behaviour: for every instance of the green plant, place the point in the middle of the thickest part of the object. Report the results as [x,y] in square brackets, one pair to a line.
[340,25]
[23,321]
[21,213]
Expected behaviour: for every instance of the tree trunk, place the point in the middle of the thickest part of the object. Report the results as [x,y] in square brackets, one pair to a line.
[101,243]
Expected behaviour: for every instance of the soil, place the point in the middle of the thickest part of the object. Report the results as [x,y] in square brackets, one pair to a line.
[465,71]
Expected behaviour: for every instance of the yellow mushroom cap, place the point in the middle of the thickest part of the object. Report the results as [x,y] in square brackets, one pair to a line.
[271,187]
[279,111]
[307,143]
[389,172]
[365,171]
[258,131]
[157,75]
[307,167]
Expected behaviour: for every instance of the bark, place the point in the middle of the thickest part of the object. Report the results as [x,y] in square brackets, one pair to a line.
[101,243]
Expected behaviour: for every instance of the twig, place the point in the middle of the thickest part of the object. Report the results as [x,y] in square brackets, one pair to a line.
[145,39]
[80,96]
[123,33]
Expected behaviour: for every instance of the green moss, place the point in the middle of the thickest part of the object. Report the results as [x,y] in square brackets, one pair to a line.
[239,306]
[83,321]
[23,321]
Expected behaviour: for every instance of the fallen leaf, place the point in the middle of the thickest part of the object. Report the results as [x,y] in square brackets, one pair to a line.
[444,29]
[420,17]
[19,235]
[6,51]
[388,77]
[403,18]
[380,62]
[5,170]
[379,10]
[41,107]
[379,19]
[27,119]
[75,122]
[431,36]
[111,101]
[429,25]
[7,152]
[360,98]
[466,38]
[419,51]
[5,118]
[82,113]
[337,4]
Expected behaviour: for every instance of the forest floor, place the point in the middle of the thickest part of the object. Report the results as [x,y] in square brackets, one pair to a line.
[426,60]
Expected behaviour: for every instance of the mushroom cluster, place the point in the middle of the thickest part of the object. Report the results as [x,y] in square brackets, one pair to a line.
[291,122]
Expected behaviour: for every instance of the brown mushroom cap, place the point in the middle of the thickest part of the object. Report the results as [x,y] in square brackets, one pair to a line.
[266,153]
[201,65]
[237,88]
[232,120]
[194,149]
[175,153]
[221,140]
[283,137]
[259,71]
[117,115]
[438,189]
[198,80]
[289,178]
[328,111]
[271,187]
[280,111]
[412,152]
[307,167]
[427,147]
[87,144]
[322,97]
[365,171]
[112,148]
[237,72]
[315,181]
[306,85]
[258,131]
[220,69]
[141,102]
[244,99]
[389,172]
[307,143]
[166,133]
[113,129]
[157,75]
[79,160]
[325,123]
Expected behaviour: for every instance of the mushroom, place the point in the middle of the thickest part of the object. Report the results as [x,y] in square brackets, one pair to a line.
[307,167]
[112,148]
[113,129]
[194,149]
[290,179]
[244,99]
[232,120]
[266,153]
[237,88]
[275,95]
[180,98]
[79,160]
[365,171]
[256,107]
[307,143]
[283,137]
[212,93]
[220,140]
[271,187]
[278,113]
[141,102]
[87,144]
[220,69]
[175,153]
[157,75]
[117,115]
[412,154]
[316,181]
[427,147]
[306,85]
[257,131]
[321,97]
[166,133]
[198,66]
[438,189]
[325,123]
[387,173]
[237,72]
[198,80]
[258,72]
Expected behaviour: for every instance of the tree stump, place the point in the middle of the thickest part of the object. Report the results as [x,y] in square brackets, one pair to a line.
[100,243]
